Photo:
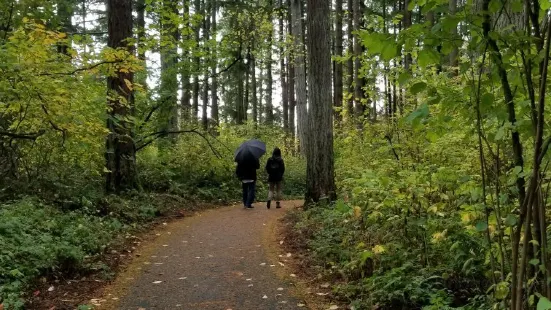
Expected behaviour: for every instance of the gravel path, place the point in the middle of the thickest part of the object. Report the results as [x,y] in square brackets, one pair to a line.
[220,259]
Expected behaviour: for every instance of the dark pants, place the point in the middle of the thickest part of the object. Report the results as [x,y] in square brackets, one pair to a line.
[248,193]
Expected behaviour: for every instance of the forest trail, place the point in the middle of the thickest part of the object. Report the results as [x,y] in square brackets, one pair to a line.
[219,259]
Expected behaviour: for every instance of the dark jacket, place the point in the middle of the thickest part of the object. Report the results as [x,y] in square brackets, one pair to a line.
[247,170]
[275,168]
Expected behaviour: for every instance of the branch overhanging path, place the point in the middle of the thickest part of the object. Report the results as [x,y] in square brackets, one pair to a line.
[219,259]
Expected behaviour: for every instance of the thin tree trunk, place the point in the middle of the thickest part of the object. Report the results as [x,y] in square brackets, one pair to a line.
[320,182]
[269,80]
[214,89]
[64,14]
[300,74]
[247,85]
[196,66]
[185,101]
[120,152]
[455,51]
[206,38]
[254,96]
[282,70]
[350,60]
[338,75]
[291,78]
[358,80]
[260,93]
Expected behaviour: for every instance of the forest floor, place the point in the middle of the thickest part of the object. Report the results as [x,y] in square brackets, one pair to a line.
[226,258]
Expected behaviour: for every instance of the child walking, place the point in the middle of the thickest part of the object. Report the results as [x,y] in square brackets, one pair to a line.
[275,168]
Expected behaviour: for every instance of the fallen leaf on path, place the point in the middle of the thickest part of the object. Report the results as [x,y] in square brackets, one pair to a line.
[265,297]
[51,288]
[250,285]
[165,244]
[281,242]
[182,278]
[263,264]
[322,294]
[289,254]
[334,307]
[280,288]
[157,282]
[326,285]
[158,263]
[141,308]
[36,293]
[293,275]
[272,265]
[283,302]
[250,279]
[164,224]
[281,264]
[198,257]
[301,305]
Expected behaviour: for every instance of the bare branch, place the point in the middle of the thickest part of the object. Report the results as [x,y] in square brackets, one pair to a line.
[82,69]
[23,136]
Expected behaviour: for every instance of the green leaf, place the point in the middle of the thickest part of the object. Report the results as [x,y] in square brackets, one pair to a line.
[534,261]
[511,220]
[418,87]
[481,226]
[495,6]
[427,57]
[545,4]
[544,304]
[487,100]
[389,50]
[403,78]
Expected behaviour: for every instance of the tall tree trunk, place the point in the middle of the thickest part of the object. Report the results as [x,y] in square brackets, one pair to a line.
[282,70]
[455,51]
[260,93]
[240,108]
[185,101]
[320,182]
[206,37]
[338,75]
[350,60]
[214,90]
[247,85]
[269,81]
[140,27]
[358,80]
[169,73]
[254,96]
[407,24]
[120,152]
[291,78]
[196,66]
[300,74]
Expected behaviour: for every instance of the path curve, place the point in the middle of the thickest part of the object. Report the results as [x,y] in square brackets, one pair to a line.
[219,259]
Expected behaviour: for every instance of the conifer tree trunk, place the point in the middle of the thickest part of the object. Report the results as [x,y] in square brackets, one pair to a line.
[120,149]
[169,74]
[214,89]
[269,82]
[282,70]
[291,78]
[358,80]
[254,95]
[206,37]
[320,182]
[196,66]
[338,75]
[185,101]
[350,60]
[300,74]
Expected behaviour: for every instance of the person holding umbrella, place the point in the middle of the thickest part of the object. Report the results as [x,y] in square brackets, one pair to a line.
[247,157]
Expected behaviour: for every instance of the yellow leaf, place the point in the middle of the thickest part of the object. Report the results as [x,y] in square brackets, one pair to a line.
[378,249]
[357,212]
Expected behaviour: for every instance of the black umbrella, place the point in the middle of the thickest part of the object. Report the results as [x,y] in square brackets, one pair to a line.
[250,150]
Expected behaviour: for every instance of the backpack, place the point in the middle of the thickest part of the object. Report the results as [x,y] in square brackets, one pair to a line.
[274,165]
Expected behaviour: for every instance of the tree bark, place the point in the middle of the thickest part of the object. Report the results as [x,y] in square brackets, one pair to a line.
[269,82]
[185,101]
[350,60]
[254,95]
[206,37]
[300,75]
[169,74]
[291,78]
[358,80]
[196,66]
[338,75]
[214,89]
[320,182]
[282,70]
[120,152]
